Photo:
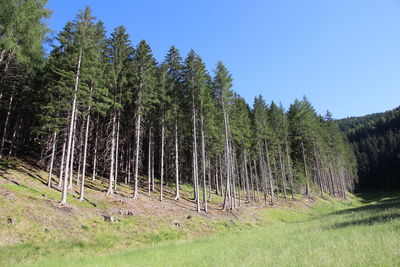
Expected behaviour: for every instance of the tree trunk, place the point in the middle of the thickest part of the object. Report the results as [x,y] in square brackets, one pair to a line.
[290,168]
[177,195]
[253,197]
[246,177]
[282,172]
[256,182]
[95,149]
[203,159]
[112,168]
[263,173]
[227,158]
[318,171]
[269,173]
[116,154]
[137,131]
[149,163]
[3,139]
[60,181]
[71,169]
[53,152]
[195,166]
[162,157]
[305,170]
[71,129]
[81,195]
[80,151]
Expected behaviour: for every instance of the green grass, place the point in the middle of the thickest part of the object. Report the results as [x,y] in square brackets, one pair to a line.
[331,233]
[360,231]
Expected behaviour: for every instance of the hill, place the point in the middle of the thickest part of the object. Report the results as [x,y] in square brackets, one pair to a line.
[117,230]
[376,142]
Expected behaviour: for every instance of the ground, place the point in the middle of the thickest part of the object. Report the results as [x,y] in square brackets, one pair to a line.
[35,229]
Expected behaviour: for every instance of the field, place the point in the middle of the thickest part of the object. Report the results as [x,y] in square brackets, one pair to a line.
[363,230]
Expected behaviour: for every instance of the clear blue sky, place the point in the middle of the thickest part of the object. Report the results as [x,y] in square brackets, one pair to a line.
[344,55]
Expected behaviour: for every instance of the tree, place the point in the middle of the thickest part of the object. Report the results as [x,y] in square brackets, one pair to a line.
[143,95]
[119,54]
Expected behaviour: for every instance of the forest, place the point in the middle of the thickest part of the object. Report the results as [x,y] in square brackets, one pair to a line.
[99,107]
[375,139]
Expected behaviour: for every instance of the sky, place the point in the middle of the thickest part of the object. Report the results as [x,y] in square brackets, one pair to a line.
[343,55]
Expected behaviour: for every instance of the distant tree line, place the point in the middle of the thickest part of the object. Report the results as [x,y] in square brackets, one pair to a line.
[98,107]
[376,142]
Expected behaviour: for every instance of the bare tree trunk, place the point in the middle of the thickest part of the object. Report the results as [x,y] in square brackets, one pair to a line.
[269,172]
[246,178]
[71,129]
[116,154]
[256,182]
[137,131]
[203,156]
[217,179]
[95,149]
[162,157]
[276,180]
[17,127]
[263,174]
[305,170]
[80,151]
[81,195]
[112,168]
[282,172]
[60,181]
[221,176]
[72,153]
[290,168]
[128,178]
[3,139]
[53,152]
[149,163]
[253,197]
[209,179]
[152,169]
[195,166]
[2,55]
[318,170]
[177,195]
[227,158]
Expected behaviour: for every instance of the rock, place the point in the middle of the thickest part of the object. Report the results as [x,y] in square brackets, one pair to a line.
[11,220]
[126,212]
[109,218]
[176,223]
[189,217]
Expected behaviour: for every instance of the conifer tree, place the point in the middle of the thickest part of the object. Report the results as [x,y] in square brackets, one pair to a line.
[143,95]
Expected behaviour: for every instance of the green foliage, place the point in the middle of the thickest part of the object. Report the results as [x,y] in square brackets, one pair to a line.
[375,140]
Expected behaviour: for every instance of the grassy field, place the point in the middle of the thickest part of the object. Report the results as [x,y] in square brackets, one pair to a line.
[361,231]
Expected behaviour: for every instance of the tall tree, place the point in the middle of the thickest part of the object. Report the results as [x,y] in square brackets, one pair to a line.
[143,95]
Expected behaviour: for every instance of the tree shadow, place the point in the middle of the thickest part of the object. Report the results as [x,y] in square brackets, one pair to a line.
[382,209]
[369,220]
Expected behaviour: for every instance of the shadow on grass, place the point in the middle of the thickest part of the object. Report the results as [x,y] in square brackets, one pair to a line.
[380,208]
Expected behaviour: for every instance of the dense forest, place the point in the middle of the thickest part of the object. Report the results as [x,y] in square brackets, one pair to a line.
[99,107]
[376,141]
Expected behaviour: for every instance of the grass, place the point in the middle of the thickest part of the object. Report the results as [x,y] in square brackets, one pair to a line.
[361,231]
[331,233]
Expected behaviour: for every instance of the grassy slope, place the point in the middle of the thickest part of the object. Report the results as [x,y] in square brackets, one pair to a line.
[325,232]
[368,235]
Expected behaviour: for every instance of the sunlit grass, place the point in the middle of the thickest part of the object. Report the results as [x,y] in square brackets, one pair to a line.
[340,233]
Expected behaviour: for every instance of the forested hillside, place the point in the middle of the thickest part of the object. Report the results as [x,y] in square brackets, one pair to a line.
[100,107]
[376,142]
